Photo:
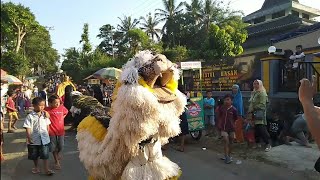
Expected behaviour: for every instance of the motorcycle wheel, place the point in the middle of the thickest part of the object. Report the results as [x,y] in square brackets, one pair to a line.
[196,135]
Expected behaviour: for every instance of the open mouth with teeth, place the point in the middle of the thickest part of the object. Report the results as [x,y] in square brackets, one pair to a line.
[159,80]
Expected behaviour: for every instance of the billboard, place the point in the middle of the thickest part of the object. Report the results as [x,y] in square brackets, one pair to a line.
[220,77]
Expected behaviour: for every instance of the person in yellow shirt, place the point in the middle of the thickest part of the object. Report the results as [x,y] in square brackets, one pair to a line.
[63,85]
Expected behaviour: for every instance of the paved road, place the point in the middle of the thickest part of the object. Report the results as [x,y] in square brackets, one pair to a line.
[195,163]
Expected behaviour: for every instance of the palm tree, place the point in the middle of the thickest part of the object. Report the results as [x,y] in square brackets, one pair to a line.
[194,10]
[210,13]
[149,26]
[169,14]
[127,24]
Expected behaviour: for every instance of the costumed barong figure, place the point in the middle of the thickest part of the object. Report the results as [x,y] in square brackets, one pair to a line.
[144,115]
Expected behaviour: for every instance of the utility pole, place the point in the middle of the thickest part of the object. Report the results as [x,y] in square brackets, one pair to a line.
[112,44]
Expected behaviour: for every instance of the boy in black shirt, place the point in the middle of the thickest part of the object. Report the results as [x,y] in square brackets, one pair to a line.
[275,128]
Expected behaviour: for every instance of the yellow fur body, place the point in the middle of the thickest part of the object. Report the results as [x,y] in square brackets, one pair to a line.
[91,124]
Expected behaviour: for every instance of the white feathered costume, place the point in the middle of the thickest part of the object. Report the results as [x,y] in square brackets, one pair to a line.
[145,114]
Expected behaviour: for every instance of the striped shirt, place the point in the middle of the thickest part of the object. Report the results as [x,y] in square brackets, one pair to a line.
[38,125]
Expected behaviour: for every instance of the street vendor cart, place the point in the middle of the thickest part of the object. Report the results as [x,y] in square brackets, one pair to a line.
[195,112]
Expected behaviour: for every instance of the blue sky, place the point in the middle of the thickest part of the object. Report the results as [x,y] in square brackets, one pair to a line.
[68,16]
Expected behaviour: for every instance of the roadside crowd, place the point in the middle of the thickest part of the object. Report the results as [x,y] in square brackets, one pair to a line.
[44,127]
[226,119]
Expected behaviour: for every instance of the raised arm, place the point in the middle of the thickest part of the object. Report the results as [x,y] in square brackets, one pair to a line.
[311,112]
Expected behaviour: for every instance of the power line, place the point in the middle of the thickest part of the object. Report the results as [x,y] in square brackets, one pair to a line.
[130,8]
[153,8]
[133,10]
[150,5]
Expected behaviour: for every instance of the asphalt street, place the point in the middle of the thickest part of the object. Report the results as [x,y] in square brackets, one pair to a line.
[195,162]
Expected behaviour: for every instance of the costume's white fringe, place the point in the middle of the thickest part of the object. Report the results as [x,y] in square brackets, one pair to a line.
[138,116]
[159,169]
[130,75]
[130,69]
[88,150]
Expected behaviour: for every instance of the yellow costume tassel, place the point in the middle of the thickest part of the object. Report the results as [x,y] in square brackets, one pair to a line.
[176,177]
[91,124]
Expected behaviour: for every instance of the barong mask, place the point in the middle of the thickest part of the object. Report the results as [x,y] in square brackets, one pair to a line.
[154,72]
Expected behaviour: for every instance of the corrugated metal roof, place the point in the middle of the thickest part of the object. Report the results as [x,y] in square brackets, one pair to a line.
[272,25]
[273,3]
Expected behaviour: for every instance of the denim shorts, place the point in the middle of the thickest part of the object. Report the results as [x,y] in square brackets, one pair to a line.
[57,143]
[36,151]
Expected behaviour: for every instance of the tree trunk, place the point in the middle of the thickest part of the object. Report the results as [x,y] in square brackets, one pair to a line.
[19,39]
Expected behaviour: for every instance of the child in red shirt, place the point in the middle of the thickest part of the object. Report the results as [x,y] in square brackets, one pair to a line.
[57,114]
[227,115]
[12,111]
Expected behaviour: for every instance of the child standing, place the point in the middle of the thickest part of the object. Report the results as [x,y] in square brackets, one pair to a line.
[37,128]
[12,112]
[57,114]
[227,115]
[275,128]
[209,113]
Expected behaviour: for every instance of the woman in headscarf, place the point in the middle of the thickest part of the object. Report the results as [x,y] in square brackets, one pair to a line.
[257,112]
[238,104]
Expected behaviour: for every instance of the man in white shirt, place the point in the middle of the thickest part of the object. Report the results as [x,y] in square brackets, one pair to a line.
[297,57]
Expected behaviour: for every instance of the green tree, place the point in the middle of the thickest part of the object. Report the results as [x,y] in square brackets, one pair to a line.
[137,40]
[194,10]
[16,21]
[86,58]
[149,25]
[177,54]
[211,13]
[107,44]
[37,47]
[71,63]
[15,63]
[86,46]
[222,42]
[127,23]
[169,15]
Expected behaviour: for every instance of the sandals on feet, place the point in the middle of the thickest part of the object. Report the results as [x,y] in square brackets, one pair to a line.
[57,167]
[49,173]
[35,171]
